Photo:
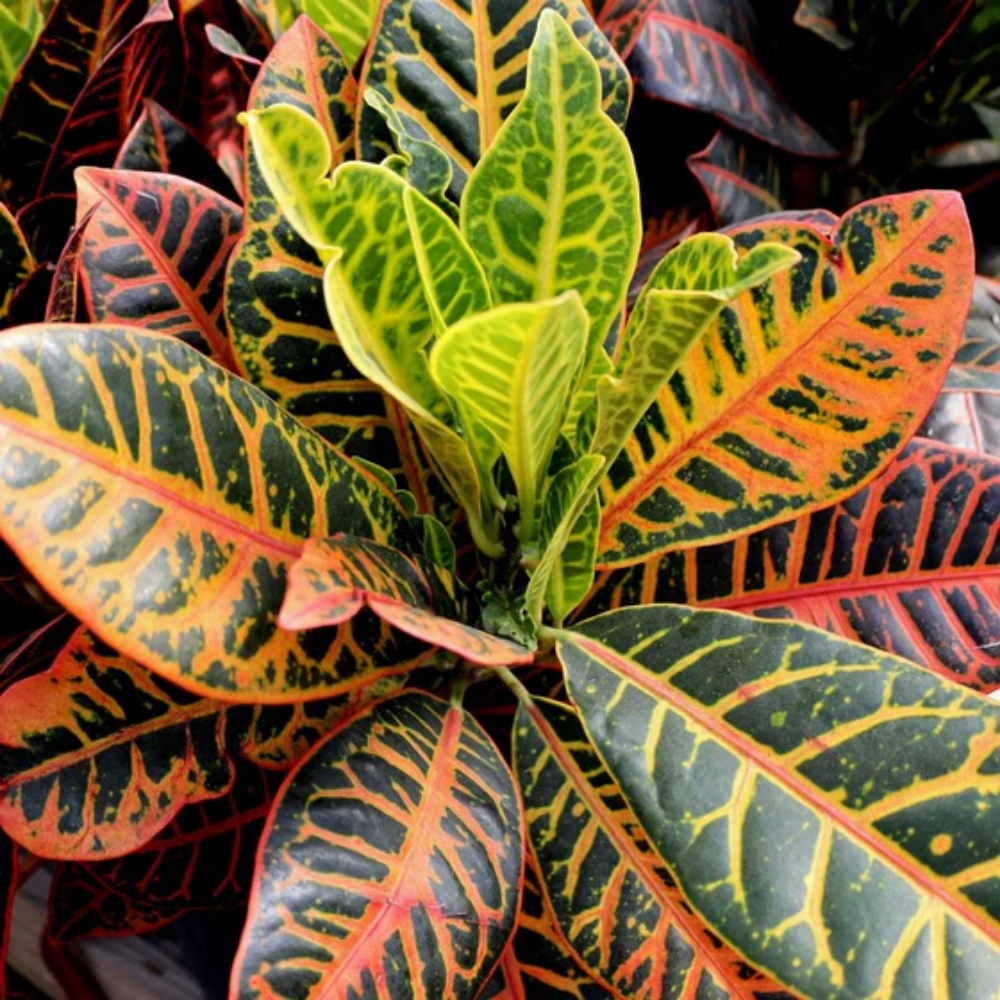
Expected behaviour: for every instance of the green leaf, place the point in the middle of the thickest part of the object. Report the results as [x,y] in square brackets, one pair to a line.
[453,72]
[567,497]
[454,282]
[510,372]
[573,573]
[831,811]
[421,162]
[348,22]
[553,205]
[685,293]
[17,35]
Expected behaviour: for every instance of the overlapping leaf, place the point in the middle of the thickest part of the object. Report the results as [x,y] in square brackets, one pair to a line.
[802,390]
[554,204]
[336,577]
[274,295]
[394,855]
[159,143]
[154,254]
[976,366]
[909,565]
[741,178]
[97,754]
[348,22]
[203,860]
[103,112]
[616,906]
[162,501]
[701,55]
[621,21]
[74,41]
[454,73]
[792,782]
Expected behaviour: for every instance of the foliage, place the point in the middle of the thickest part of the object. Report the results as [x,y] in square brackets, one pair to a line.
[395,482]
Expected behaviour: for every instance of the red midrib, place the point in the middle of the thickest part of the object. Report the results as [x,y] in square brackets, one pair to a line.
[787,780]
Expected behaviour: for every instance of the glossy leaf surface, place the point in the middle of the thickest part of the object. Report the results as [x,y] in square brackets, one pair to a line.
[909,565]
[204,859]
[616,906]
[553,205]
[74,41]
[144,485]
[701,56]
[348,22]
[394,854]
[802,390]
[456,82]
[741,178]
[793,781]
[336,577]
[99,754]
[154,255]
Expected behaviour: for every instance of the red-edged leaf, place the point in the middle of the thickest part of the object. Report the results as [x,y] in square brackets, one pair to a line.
[106,108]
[65,303]
[741,178]
[155,254]
[393,855]
[204,860]
[911,565]
[335,577]
[700,54]
[159,143]
[76,38]
[99,754]
[621,21]
[661,235]
[47,223]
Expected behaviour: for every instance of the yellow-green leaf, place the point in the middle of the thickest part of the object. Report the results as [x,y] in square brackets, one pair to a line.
[510,372]
[831,811]
[454,282]
[553,205]
[348,22]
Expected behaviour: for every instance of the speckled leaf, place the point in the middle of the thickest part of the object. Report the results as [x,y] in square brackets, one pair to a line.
[395,851]
[142,485]
[454,73]
[154,254]
[624,917]
[793,781]
[553,205]
[97,754]
[803,389]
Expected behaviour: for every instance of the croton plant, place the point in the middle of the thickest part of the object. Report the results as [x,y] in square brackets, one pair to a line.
[497,587]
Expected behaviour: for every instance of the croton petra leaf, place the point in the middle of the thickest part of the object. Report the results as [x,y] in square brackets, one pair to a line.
[401,840]
[96,739]
[616,906]
[621,21]
[203,860]
[336,577]
[144,485]
[454,73]
[907,565]
[348,22]
[154,254]
[829,809]
[800,391]
[701,55]
[16,262]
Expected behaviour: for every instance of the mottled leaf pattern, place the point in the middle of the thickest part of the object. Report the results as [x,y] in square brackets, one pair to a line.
[909,565]
[154,254]
[348,22]
[701,55]
[802,389]
[616,906]
[99,754]
[553,205]
[621,21]
[162,501]
[793,781]
[392,862]
[454,72]
[336,577]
